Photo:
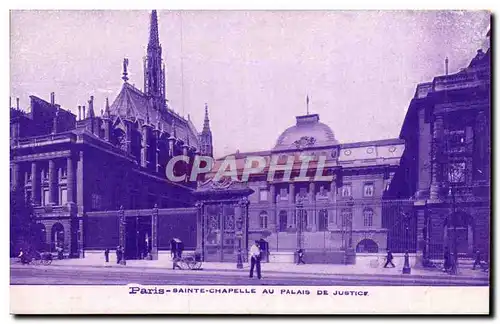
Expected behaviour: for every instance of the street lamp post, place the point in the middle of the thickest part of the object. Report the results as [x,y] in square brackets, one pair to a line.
[299,211]
[406,266]
[123,230]
[243,205]
[454,265]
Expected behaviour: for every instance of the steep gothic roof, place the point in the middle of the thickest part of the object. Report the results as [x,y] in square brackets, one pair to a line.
[131,103]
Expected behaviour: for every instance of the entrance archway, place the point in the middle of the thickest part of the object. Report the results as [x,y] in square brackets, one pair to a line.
[367,246]
[57,236]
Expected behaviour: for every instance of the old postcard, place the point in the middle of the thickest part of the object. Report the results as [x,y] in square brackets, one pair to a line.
[250,162]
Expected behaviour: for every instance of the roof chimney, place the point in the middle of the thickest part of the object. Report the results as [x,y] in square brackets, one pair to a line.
[17,103]
[446,65]
[10,102]
[52,98]
[79,112]
[83,108]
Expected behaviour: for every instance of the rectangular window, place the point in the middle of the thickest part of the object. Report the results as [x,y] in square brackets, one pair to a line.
[368,190]
[64,196]
[45,200]
[263,194]
[283,194]
[346,190]
[346,215]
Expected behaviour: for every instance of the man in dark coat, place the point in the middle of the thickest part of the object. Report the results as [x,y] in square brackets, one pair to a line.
[300,255]
[389,259]
[106,255]
[447,259]
[118,254]
[477,260]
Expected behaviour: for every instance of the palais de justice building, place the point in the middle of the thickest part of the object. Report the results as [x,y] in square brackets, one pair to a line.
[97,179]
[323,217]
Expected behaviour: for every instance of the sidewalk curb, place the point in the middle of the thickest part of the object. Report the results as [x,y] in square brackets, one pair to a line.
[239,271]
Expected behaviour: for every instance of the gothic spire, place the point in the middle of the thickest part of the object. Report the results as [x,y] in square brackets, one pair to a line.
[107,111]
[91,107]
[154,39]
[206,123]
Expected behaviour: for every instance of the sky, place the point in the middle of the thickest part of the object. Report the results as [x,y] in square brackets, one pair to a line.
[254,69]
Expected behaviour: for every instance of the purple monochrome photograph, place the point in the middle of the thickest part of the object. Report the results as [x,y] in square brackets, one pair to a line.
[199,154]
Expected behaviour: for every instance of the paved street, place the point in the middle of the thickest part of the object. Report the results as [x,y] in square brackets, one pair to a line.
[59,275]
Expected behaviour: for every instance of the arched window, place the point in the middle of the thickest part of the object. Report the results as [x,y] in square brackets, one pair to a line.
[346,214]
[367,246]
[323,220]
[368,217]
[263,219]
[283,218]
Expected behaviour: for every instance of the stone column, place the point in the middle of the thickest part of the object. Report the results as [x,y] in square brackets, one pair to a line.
[154,233]
[424,157]
[146,131]
[52,183]
[128,138]
[199,229]
[291,193]
[16,176]
[157,151]
[436,164]
[79,181]
[312,215]
[291,200]
[332,212]
[35,185]
[70,181]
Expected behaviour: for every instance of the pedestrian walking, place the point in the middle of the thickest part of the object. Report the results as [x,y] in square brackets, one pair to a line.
[300,255]
[389,259]
[477,260]
[118,254]
[60,250]
[255,259]
[122,254]
[106,255]
[447,259]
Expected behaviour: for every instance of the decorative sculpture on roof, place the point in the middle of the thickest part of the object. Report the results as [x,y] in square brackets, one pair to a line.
[305,141]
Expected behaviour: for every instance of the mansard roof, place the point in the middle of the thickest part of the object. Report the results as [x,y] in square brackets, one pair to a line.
[132,103]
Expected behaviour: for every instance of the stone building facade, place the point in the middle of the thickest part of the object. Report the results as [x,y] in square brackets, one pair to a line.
[70,166]
[322,217]
[445,169]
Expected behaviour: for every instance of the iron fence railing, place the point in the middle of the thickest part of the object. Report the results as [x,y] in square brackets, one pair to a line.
[361,225]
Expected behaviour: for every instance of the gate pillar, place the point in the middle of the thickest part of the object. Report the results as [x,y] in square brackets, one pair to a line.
[154,233]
